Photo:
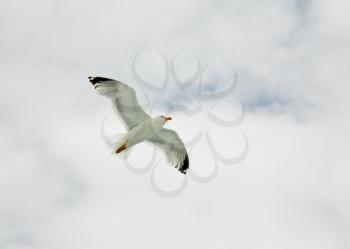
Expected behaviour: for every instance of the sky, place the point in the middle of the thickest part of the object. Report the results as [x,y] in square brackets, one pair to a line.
[61,188]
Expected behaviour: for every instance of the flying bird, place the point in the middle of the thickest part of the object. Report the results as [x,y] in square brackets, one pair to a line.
[141,126]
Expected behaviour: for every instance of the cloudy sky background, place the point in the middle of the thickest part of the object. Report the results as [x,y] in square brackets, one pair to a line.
[60,188]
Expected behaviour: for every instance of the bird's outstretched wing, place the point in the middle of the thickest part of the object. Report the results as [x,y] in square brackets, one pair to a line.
[173,147]
[123,98]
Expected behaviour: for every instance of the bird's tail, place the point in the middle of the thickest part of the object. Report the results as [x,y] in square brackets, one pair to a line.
[118,143]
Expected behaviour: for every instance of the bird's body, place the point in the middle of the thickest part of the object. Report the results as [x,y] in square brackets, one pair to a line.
[144,130]
[140,126]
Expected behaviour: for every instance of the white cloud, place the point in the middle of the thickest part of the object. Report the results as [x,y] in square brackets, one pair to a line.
[59,187]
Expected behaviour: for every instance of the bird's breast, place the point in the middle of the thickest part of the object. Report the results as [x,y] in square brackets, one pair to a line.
[141,132]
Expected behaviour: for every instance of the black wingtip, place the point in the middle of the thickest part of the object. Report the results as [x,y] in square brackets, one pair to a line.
[185,165]
[95,80]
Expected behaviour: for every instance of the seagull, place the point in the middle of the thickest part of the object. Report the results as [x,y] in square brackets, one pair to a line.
[140,126]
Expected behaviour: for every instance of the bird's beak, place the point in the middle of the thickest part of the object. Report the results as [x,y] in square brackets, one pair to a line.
[168,118]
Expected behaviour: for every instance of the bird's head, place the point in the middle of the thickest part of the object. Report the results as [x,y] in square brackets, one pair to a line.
[159,121]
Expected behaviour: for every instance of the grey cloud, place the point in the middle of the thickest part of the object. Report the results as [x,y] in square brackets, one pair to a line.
[60,189]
